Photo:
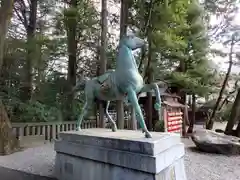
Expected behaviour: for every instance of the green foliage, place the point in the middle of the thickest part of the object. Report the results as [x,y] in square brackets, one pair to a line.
[159,126]
[176,30]
[46,105]
[178,35]
[35,111]
[49,45]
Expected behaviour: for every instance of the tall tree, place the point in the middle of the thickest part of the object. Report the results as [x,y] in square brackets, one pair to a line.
[235,111]
[103,54]
[149,70]
[235,114]
[225,12]
[160,22]
[8,142]
[238,126]
[6,14]
[123,31]
[210,122]
[71,28]
[26,12]
[196,62]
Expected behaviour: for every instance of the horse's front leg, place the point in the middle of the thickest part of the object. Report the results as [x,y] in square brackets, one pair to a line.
[114,126]
[138,112]
[150,87]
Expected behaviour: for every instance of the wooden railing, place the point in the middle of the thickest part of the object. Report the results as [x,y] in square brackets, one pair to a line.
[49,130]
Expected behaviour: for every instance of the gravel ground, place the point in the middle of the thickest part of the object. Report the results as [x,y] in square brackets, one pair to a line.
[199,166]
[204,166]
[37,160]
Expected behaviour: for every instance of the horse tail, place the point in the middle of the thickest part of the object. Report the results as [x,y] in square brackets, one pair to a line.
[103,102]
[80,85]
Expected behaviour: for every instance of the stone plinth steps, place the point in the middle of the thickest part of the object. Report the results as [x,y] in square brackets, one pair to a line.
[99,154]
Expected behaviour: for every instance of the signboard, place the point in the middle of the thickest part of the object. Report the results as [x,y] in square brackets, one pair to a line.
[174,122]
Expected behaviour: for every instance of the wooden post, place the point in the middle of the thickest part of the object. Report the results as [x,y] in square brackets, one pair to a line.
[27,130]
[120,115]
[133,119]
[58,130]
[48,132]
[185,119]
[21,132]
[53,132]
[44,131]
[33,130]
[165,119]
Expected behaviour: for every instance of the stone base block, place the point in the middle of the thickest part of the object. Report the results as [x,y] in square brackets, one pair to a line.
[99,154]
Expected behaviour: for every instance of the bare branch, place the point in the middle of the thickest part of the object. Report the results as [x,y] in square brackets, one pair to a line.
[20,17]
[23,12]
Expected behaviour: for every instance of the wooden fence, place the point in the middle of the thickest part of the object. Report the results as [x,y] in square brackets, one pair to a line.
[49,130]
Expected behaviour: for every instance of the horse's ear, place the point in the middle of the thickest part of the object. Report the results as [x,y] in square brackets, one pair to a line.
[124,36]
[131,34]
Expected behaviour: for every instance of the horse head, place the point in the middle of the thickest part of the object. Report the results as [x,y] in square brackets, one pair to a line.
[132,42]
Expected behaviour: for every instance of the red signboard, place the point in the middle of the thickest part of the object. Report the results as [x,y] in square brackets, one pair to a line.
[174,122]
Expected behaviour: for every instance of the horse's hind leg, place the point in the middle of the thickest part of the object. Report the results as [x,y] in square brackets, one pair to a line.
[81,116]
[114,126]
[84,111]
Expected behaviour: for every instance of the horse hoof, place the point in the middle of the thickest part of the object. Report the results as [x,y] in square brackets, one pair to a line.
[78,129]
[114,128]
[148,135]
[157,106]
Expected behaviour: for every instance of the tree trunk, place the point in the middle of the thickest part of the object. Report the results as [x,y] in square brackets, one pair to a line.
[182,68]
[39,69]
[185,115]
[149,75]
[145,31]
[123,30]
[235,112]
[192,122]
[5,17]
[72,46]
[238,129]
[133,118]
[149,117]
[72,58]
[26,90]
[8,141]
[103,54]
[225,101]
[210,122]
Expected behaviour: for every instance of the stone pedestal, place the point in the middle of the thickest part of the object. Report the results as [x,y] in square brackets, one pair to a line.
[99,154]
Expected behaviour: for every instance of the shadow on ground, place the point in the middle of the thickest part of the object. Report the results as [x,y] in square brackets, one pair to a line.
[10,174]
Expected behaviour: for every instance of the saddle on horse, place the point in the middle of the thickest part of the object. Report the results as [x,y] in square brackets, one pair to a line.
[104,80]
